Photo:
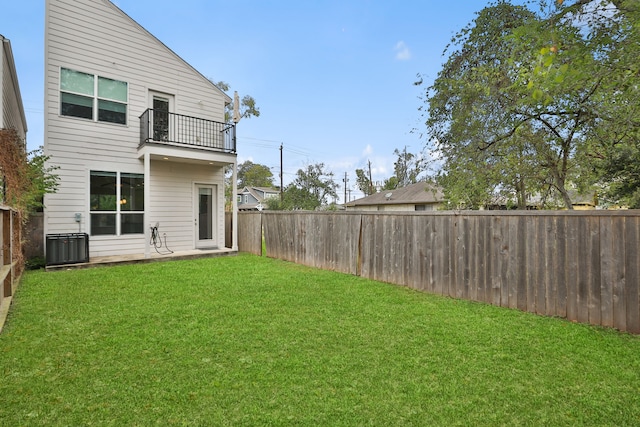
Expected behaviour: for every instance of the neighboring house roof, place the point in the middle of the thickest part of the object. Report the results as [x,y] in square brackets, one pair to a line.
[108,2]
[10,80]
[418,194]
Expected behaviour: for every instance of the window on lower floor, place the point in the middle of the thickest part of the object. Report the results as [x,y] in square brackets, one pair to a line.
[116,203]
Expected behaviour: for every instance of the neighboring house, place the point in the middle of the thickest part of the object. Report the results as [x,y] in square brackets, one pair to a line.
[137,133]
[11,109]
[414,197]
[252,198]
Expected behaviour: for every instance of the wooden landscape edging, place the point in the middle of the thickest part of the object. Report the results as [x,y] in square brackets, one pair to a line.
[580,265]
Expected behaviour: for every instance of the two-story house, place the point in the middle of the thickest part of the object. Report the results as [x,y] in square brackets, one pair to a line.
[138,134]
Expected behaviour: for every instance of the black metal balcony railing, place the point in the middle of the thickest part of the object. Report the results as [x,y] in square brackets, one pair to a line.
[176,129]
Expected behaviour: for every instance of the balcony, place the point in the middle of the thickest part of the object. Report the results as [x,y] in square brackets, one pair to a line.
[162,127]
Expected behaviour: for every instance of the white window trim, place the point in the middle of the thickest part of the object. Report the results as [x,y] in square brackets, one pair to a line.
[95,98]
[118,212]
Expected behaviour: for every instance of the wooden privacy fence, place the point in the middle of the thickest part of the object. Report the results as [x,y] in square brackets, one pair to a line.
[10,246]
[584,266]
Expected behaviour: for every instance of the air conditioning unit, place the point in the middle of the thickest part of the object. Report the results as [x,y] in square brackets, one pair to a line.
[69,248]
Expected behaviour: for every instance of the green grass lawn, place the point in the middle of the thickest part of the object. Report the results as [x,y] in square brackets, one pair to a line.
[253,341]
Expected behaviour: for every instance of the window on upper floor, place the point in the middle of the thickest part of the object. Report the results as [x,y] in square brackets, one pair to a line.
[116,203]
[93,97]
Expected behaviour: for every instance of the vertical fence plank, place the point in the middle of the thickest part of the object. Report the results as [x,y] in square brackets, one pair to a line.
[521,264]
[449,254]
[498,252]
[543,231]
[481,254]
[632,268]
[512,272]
[381,248]
[607,271]
[594,265]
[471,253]
[456,274]
[560,266]
[619,284]
[505,291]
[583,270]
[550,293]
[414,270]
[531,241]
[462,264]
[428,252]
[439,255]
[571,278]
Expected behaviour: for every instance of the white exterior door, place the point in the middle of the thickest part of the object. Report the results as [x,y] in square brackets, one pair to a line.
[205,221]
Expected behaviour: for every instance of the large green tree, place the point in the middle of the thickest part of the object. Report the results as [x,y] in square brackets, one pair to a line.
[254,175]
[612,155]
[472,120]
[525,99]
[311,189]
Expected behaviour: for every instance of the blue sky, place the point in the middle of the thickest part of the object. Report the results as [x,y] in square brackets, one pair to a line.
[333,79]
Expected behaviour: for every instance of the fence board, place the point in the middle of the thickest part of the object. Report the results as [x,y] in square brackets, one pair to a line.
[607,263]
[583,271]
[632,268]
[462,262]
[473,255]
[619,302]
[521,264]
[571,277]
[497,251]
[593,283]
[439,254]
[543,231]
[532,238]
[481,248]
[551,279]
[560,267]
[427,252]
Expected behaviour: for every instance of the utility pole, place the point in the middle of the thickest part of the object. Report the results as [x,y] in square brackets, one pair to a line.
[345,180]
[370,181]
[281,179]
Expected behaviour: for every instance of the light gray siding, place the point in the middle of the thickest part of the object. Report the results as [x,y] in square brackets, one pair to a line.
[173,201]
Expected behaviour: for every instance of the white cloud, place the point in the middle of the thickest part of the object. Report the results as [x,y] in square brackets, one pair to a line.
[402,51]
[368,150]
